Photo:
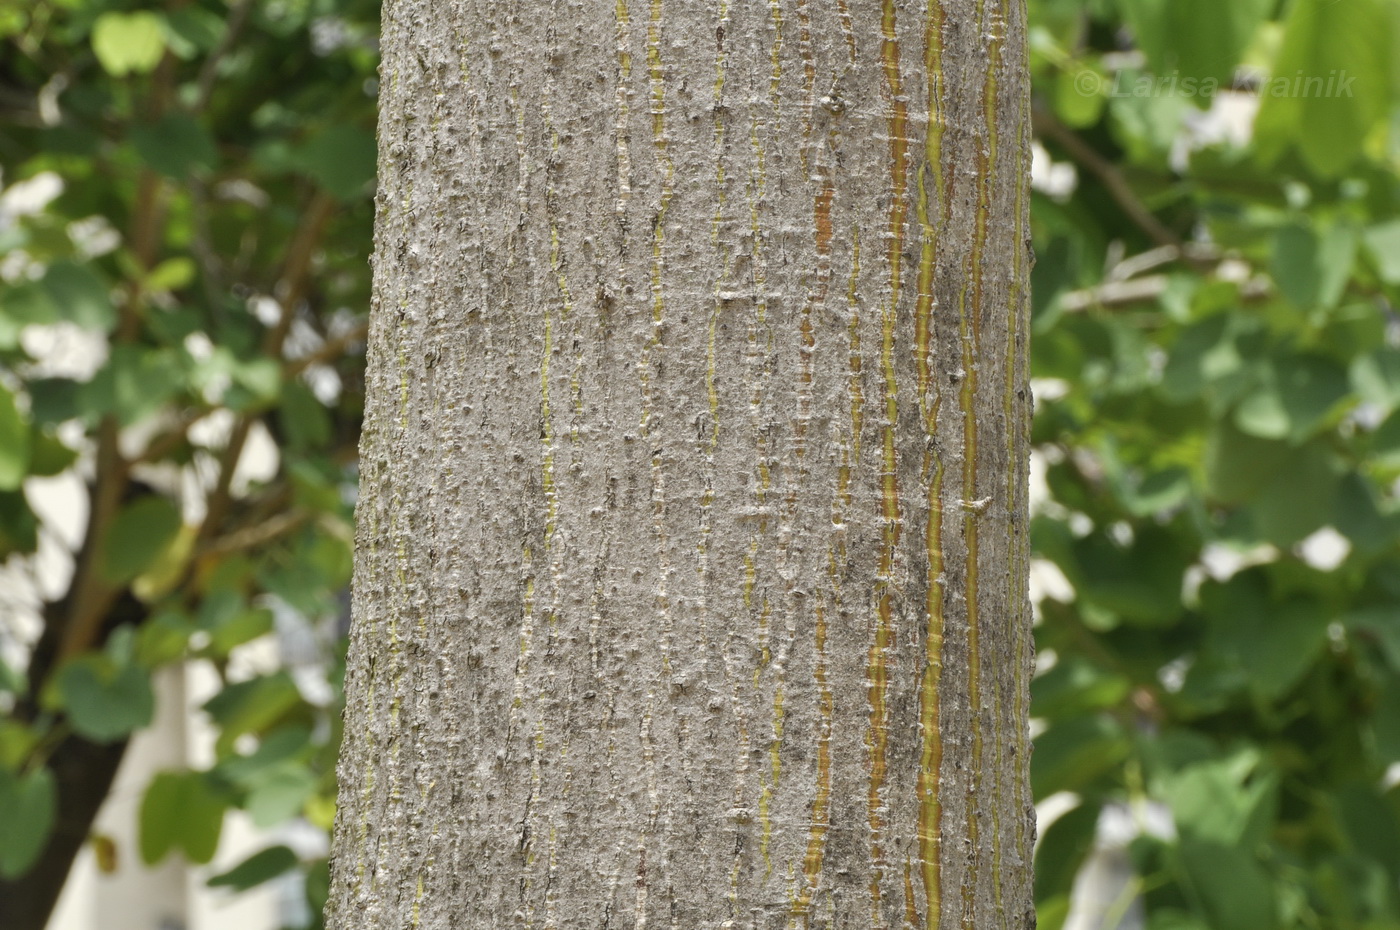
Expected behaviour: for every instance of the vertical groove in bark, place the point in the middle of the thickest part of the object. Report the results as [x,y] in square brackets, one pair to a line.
[690,584]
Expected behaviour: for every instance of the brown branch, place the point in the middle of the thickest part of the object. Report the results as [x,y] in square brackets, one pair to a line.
[252,537]
[210,273]
[331,350]
[91,595]
[290,289]
[1119,189]
[1140,290]
[1122,286]
[209,73]
[167,442]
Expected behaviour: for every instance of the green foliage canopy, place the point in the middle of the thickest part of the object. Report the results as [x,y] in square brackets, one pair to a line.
[1218,356]
[183,286]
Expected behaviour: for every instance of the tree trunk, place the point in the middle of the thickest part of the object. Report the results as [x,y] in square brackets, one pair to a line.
[691,575]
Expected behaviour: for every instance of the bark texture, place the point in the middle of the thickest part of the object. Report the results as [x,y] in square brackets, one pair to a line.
[691,576]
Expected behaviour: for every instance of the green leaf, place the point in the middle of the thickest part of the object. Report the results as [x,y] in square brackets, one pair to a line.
[1385,723]
[279,794]
[252,705]
[1383,244]
[105,701]
[1359,515]
[1312,269]
[28,805]
[1146,122]
[17,742]
[180,810]
[1234,891]
[128,43]
[1228,801]
[191,30]
[241,628]
[1167,918]
[1075,685]
[1075,751]
[341,159]
[1352,888]
[48,455]
[14,442]
[1296,398]
[219,606]
[135,383]
[1207,360]
[1299,498]
[1385,441]
[80,296]
[1273,643]
[1291,489]
[137,537]
[1331,83]
[56,400]
[1158,492]
[1079,94]
[303,417]
[260,867]
[1375,376]
[1263,414]
[1238,464]
[1140,582]
[1062,848]
[19,528]
[261,377]
[1371,824]
[278,747]
[318,885]
[176,146]
[315,489]
[29,302]
[1381,622]
[1196,39]
[163,638]
[171,275]
[10,681]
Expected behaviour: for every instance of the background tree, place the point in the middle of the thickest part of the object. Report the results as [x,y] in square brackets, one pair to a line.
[692,538]
[1214,321]
[182,282]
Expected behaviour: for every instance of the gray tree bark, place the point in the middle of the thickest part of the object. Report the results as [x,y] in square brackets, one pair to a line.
[692,548]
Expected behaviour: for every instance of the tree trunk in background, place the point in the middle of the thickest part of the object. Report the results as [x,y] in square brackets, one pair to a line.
[691,582]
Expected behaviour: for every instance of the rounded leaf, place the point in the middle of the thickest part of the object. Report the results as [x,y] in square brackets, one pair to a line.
[128,43]
[181,810]
[105,702]
[138,536]
[27,806]
[14,442]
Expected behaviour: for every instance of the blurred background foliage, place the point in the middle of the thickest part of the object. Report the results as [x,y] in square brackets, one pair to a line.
[183,288]
[1216,352]
[184,227]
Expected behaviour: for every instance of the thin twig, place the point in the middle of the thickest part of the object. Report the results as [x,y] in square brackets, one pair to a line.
[329,351]
[290,290]
[209,73]
[252,537]
[91,594]
[1119,189]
